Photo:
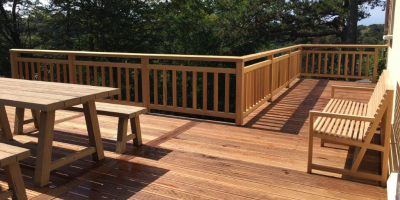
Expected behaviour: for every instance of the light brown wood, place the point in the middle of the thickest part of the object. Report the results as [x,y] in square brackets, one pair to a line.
[92,124]
[165,91]
[205,83]
[122,134]
[19,120]
[15,181]
[355,123]
[194,90]
[5,126]
[137,131]
[45,146]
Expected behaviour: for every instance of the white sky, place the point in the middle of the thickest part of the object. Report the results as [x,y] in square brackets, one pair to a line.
[377,17]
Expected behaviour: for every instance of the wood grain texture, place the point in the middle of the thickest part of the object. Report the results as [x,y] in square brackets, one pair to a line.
[185,158]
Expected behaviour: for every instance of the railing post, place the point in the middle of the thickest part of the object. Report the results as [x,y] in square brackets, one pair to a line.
[288,71]
[271,57]
[72,68]
[145,83]
[14,64]
[375,70]
[239,92]
[300,60]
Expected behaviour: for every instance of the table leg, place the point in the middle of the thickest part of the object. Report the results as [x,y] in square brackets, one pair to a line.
[19,120]
[36,117]
[93,128]
[5,124]
[44,149]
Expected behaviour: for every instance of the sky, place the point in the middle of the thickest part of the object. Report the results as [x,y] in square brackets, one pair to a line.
[377,17]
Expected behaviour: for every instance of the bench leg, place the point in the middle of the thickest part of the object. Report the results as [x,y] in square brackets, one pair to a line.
[19,120]
[122,135]
[5,124]
[92,123]
[15,181]
[322,142]
[310,144]
[44,149]
[135,125]
[36,117]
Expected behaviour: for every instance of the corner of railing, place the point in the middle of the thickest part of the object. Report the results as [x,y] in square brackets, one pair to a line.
[14,64]
[239,91]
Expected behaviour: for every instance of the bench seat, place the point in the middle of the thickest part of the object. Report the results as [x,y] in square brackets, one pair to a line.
[348,129]
[115,110]
[124,113]
[9,160]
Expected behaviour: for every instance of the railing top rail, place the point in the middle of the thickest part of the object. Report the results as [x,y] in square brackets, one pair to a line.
[133,55]
[346,45]
[270,52]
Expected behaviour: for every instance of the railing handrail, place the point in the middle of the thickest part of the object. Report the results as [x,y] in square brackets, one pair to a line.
[346,45]
[132,55]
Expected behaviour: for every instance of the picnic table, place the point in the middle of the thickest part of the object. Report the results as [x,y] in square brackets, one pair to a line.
[47,97]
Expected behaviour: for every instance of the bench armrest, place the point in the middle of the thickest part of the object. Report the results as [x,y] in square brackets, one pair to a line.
[348,88]
[340,116]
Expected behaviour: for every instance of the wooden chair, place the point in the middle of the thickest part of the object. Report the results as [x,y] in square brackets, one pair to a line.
[9,161]
[354,124]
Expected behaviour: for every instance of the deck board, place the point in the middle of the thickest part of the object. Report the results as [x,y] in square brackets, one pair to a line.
[184,158]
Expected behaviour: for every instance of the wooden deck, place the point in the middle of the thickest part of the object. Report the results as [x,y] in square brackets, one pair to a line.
[197,159]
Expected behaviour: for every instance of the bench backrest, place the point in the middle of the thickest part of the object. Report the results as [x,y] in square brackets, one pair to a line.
[379,96]
[377,104]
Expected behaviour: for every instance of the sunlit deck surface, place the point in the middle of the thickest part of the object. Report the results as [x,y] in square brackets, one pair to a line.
[185,158]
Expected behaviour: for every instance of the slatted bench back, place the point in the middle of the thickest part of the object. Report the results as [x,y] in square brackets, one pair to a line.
[379,98]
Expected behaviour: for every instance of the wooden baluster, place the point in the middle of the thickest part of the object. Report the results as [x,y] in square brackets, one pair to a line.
[110,72]
[174,88]
[32,71]
[39,71]
[326,64]
[26,71]
[204,91]
[103,76]
[346,63]
[80,74]
[319,63]
[306,63]
[72,68]
[58,72]
[127,85]
[215,92]
[313,63]
[136,80]
[21,72]
[367,65]
[165,91]
[194,90]
[226,93]
[375,67]
[360,61]
[119,82]
[145,82]
[45,72]
[339,63]
[184,103]
[95,77]
[155,75]
[14,65]
[353,64]
[332,63]
[88,75]
[65,73]
[51,65]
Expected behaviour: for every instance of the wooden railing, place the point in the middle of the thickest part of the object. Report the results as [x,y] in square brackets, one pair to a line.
[219,86]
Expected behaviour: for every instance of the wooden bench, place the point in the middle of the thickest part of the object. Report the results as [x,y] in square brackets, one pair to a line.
[124,113]
[9,161]
[354,124]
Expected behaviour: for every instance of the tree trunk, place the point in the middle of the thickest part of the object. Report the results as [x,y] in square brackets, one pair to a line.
[352,19]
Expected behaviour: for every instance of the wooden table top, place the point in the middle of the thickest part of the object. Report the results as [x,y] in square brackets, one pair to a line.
[47,96]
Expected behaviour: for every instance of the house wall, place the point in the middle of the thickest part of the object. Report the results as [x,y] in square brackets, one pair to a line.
[393,65]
